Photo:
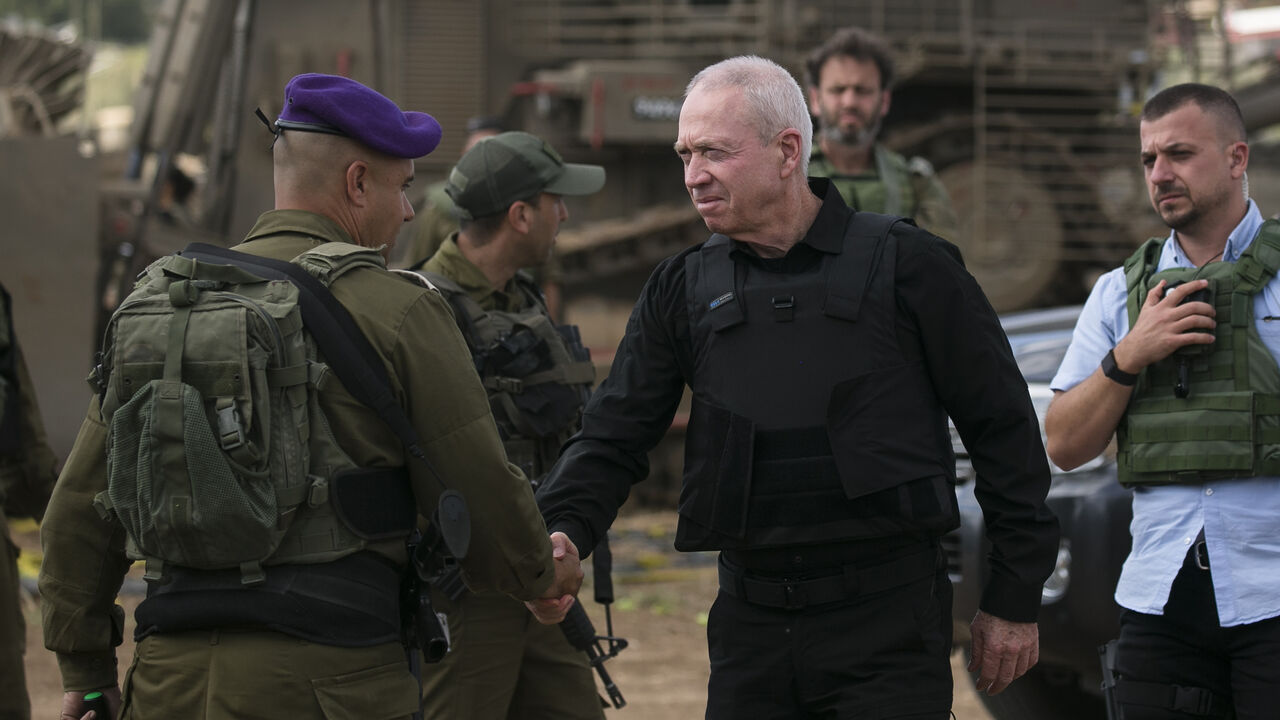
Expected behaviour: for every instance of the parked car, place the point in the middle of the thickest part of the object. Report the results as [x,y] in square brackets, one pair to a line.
[1078,610]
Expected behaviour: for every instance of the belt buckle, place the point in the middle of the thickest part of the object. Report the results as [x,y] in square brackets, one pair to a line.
[793,595]
[1196,701]
[1201,553]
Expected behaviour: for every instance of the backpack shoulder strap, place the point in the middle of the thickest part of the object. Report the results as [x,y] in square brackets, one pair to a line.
[331,260]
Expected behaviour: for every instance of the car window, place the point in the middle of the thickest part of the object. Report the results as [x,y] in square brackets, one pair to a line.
[1039,358]
[1039,339]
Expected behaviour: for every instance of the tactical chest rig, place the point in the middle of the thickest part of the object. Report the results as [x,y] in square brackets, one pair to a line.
[537,374]
[1223,419]
[809,422]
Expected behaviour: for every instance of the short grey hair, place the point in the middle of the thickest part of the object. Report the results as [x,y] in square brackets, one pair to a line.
[773,95]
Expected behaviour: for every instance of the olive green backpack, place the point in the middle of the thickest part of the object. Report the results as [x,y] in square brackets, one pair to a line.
[208,391]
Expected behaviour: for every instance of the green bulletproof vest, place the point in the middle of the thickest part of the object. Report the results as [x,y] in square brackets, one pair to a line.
[538,375]
[895,188]
[219,454]
[1228,423]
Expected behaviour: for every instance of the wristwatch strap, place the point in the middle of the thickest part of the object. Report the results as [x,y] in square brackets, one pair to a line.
[1113,371]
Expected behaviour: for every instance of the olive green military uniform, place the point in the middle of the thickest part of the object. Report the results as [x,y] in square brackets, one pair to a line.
[250,672]
[898,186]
[26,479]
[436,222]
[504,664]
[433,224]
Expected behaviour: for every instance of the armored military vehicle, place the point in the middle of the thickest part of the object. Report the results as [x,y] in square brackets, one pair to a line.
[1025,108]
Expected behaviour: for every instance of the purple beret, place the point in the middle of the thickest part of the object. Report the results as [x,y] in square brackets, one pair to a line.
[341,106]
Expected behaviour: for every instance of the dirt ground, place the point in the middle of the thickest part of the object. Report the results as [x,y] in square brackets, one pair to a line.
[662,599]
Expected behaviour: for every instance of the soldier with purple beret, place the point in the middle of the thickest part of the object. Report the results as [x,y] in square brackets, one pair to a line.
[313,639]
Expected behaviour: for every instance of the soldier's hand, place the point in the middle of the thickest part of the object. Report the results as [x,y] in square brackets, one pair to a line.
[552,608]
[1166,323]
[73,706]
[1002,651]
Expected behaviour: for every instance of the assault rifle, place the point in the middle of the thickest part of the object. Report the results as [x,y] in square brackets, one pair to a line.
[577,627]
[581,634]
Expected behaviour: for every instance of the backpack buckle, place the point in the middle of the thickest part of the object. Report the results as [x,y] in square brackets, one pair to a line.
[318,494]
[230,430]
[515,386]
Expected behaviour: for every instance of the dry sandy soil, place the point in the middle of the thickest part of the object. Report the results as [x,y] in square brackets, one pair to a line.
[662,598]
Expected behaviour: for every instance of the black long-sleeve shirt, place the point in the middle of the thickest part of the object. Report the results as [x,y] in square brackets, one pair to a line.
[941,310]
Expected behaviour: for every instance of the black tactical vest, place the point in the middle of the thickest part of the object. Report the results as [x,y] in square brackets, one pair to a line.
[538,375]
[809,422]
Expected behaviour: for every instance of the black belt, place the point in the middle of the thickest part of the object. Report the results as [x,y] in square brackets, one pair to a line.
[848,581]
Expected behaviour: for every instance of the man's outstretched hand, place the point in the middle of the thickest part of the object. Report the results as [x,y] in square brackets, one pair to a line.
[552,608]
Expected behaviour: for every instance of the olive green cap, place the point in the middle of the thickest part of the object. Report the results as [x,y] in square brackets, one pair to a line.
[512,166]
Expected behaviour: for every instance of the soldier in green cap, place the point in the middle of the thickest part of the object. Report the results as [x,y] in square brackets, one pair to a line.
[27,473]
[313,630]
[509,191]
[850,79]
[438,219]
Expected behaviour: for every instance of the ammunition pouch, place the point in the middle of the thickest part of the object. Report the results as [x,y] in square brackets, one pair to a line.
[514,355]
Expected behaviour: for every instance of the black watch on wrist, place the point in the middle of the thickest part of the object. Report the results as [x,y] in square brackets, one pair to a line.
[1113,371]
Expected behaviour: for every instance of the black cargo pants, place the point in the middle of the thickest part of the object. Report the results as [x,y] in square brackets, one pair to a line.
[879,656]
[1187,647]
